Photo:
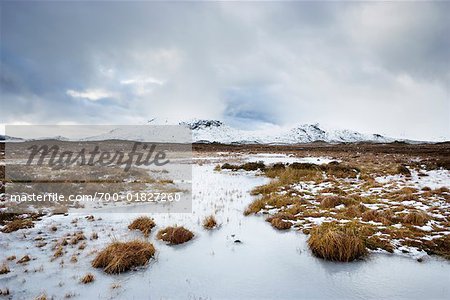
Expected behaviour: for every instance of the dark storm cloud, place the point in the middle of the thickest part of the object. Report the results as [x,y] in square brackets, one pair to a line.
[368,66]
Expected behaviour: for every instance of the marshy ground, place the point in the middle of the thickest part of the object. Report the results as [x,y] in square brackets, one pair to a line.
[365,200]
[392,198]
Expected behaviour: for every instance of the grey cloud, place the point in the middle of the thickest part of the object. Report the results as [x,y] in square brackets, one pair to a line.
[375,67]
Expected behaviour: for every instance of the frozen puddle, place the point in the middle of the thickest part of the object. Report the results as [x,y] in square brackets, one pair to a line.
[267,264]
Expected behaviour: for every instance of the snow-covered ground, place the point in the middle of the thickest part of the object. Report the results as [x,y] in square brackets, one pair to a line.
[433,179]
[267,264]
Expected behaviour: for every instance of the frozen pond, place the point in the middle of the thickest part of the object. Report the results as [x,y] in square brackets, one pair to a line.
[267,264]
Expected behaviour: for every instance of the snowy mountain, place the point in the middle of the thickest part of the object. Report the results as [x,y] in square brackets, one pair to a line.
[210,131]
[216,131]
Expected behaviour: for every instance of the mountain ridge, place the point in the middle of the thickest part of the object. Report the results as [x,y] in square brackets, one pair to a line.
[210,131]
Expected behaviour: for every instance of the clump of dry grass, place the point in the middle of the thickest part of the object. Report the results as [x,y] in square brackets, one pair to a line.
[266,189]
[144,224]
[441,246]
[88,278]
[334,190]
[24,259]
[280,224]
[339,170]
[175,235]
[272,200]
[58,252]
[78,236]
[386,217]
[418,218]
[375,243]
[41,297]
[119,257]
[335,242]
[4,269]
[402,169]
[333,201]
[17,224]
[254,207]
[12,257]
[209,222]
[94,236]
[354,211]
[82,246]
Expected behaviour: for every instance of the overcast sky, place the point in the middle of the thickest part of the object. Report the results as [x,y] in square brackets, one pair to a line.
[373,67]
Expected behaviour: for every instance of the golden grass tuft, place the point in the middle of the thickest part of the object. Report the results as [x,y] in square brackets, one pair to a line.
[17,224]
[354,211]
[255,207]
[78,236]
[335,242]
[24,259]
[340,171]
[375,243]
[58,252]
[88,278]
[418,218]
[119,257]
[144,224]
[4,269]
[280,224]
[333,201]
[386,217]
[209,222]
[175,235]
[441,246]
[41,297]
